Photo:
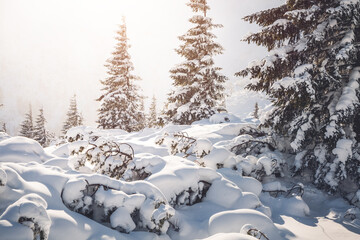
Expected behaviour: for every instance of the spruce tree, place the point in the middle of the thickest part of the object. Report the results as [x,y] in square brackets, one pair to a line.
[121,101]
[40,133]
[197,84]
[73,117]
[312,77]
[27,126]
[152,118]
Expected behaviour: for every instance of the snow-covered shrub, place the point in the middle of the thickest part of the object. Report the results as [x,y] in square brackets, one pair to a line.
[29,211]
[218,158]
[252,130]
[275,189]
[123,206]
[143,167]
[250,230]
[352,214]
[180,142]
[105,157]
[261,167]
[252,146]
[235,220]
[76,134]
[183,182]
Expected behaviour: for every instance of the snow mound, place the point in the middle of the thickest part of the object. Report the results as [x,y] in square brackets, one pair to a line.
[230,236]
[22,150]
[29,211]
[233,221]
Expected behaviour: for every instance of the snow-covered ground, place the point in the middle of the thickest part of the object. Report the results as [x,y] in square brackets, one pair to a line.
[178,182]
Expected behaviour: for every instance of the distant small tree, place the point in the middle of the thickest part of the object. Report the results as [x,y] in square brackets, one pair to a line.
[256,111]
[152,118]
[74,118]
[27,126]
[4,128]
[40,133]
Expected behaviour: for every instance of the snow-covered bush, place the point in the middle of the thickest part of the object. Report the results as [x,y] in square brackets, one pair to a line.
[143,167]
[29,211]
[218,158]
[123,206]
[275,189]
[180,142]
[78,133]
[248,145]
[352,214]
[261,167]
[106,157]
[250,230]
[235,220]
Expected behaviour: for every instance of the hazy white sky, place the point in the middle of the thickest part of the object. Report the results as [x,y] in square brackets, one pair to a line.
[51,49]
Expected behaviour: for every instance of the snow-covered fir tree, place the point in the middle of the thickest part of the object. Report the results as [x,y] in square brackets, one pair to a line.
[121,100]
[256,111]
[312,76]
[152,118]
[27,126]
[73,117]
[197,84]
[40,133]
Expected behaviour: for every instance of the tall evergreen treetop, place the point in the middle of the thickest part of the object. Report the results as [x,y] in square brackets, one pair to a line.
[27,126]
[73,117]
[312,77]
[121,101]
[198,84]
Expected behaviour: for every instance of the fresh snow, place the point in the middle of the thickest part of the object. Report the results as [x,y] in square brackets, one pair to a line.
[164,196]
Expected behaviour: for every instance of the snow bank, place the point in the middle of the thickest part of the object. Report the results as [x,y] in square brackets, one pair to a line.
[22,150]
[233,221]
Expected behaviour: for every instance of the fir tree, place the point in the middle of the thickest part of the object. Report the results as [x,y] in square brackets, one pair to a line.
[312,77]
[40,133]
[74,118]
[198,84]
[121,101]
[152,118]
[27,126]
[256,111]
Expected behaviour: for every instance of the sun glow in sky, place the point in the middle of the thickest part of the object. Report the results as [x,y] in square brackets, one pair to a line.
[50,49]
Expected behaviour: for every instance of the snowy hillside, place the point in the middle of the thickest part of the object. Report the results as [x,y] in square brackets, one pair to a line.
[216,179]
